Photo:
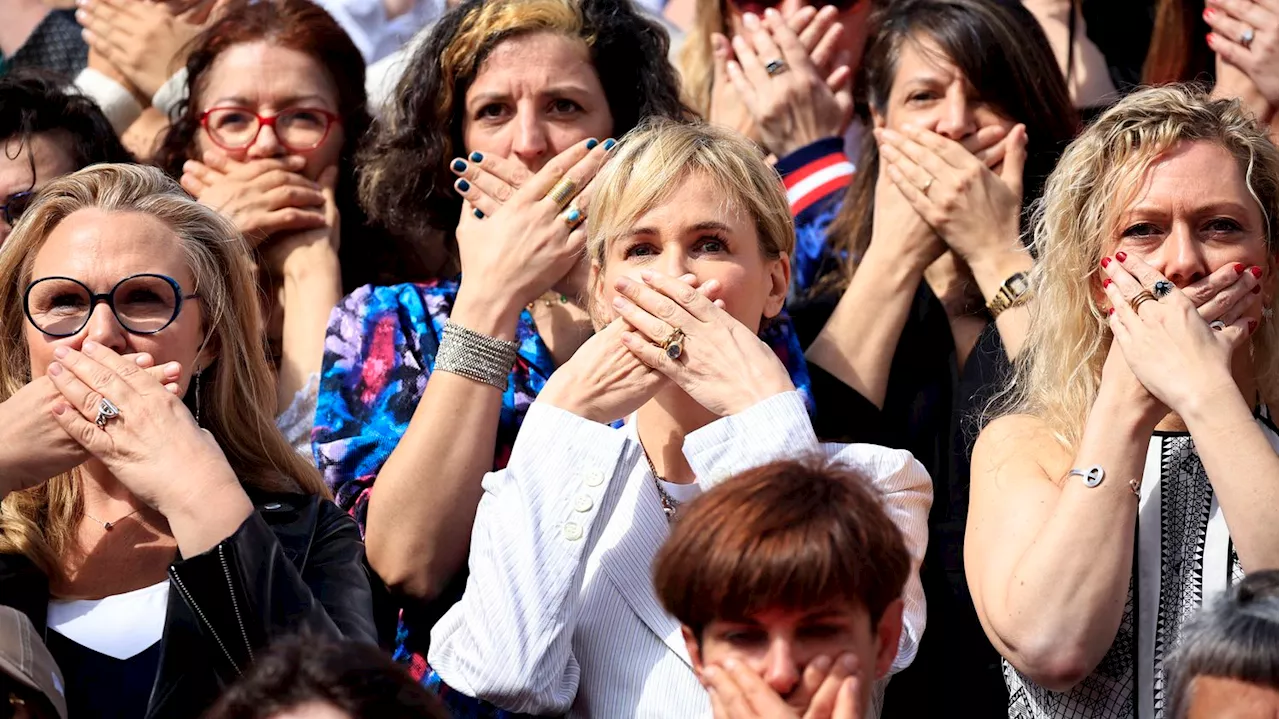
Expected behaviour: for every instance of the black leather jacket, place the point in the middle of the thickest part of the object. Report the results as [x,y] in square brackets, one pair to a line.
[296,562]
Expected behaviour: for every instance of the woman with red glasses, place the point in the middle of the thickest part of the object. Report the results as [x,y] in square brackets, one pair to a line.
[268,137]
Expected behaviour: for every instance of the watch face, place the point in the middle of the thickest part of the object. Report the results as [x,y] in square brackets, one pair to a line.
[1018,283]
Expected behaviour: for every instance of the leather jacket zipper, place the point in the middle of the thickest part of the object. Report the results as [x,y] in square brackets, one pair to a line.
[235,605]
[200,613]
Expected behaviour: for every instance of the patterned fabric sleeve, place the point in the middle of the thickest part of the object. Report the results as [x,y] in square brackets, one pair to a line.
[816,177]
[379,348]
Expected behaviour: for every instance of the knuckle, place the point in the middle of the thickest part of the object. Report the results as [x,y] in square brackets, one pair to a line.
[666,309]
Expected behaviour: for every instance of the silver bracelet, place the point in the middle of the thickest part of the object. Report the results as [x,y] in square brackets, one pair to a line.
[475,356]
[1094,475]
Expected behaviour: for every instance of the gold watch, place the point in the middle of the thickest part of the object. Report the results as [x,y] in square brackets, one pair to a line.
[1015,291]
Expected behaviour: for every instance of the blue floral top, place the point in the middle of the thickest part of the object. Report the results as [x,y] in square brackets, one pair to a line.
[379,350]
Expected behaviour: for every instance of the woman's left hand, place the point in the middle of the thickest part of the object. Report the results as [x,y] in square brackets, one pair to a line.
[723,365]
[154,447]
[1234,20]
[974,210]
[1168,345]
[308,251]
[146,41]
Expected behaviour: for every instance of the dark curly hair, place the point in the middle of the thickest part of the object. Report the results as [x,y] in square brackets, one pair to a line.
[405,183]
[303,26]
[356,678]
[34,103]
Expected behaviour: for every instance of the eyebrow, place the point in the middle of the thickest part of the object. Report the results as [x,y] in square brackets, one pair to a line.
[699,227]
[287,102]
[554,90]
[1219,206]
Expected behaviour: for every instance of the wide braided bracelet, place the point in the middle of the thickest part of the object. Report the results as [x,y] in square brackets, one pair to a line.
[475,356]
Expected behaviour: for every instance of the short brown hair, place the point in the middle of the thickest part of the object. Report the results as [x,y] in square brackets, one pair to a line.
[790,535]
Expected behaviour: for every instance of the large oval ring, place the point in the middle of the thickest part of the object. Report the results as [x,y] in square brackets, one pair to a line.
[673,345]
[1246,38]
[1162,288]
[107,411]
[573,217]
[562,192]
[775,67]
[1138,299]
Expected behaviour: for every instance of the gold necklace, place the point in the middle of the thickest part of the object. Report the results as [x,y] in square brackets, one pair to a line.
[549,299]
[669,504]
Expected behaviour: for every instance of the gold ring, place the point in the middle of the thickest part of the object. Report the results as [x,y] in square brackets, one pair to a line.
[562,192]
[673,345]
[573,217]
[1138,299]
[928,183]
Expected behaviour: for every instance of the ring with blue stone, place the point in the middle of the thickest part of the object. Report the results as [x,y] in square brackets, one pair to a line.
[573,217]
[673,345]
[1162,288]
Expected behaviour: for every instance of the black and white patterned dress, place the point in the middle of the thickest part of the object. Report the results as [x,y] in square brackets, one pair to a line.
[1184,556]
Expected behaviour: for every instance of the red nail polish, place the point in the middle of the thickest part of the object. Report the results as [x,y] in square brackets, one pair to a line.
[1121,256]
[1208,38]
[1106,261]
[1253,325]
[1106,283]
[1256,289]
[1208,13]
[1238,267]
[1111,311]
[1256,270]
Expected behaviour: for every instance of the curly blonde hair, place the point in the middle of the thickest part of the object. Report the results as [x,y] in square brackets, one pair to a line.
[1056,378]
[238,391]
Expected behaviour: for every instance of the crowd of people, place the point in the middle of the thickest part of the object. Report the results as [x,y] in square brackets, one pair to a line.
[746,359]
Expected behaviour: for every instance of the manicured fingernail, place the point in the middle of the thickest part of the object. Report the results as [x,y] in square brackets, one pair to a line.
[750,20]
[619,303]
[1208,13]
[608,144]
[141,360]
[476,157]
[1208,38]
[591,144]
[459,166]
[622,283]
[463,186]
[646,275]
[1106,261]
[1106,283]
[1238,267]
[60,352]
[173,369]
[1253,325]
[479,215]
[1111,311]
[55,369]
[1121,256]
[1256,289]
[1256,270]
[88,346]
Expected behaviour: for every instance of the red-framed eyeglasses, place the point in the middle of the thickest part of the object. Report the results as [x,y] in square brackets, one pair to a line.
[298,129]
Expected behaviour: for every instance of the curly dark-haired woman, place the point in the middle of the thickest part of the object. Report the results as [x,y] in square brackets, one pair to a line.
[503,92]
[268,137]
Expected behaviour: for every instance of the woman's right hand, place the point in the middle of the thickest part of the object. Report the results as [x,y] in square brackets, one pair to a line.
[262,197]
[602,382]
[39,448]
[898,232]
[523,245]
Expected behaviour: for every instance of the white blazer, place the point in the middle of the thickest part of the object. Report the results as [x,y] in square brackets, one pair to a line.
[559,613]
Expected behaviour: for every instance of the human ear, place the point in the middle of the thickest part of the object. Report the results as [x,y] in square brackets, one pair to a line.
[779,285]
[888,631]
[693,646]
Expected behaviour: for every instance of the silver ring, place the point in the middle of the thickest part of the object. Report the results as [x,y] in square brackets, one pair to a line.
[928,183]
[775,67]
[1162,288]
[1217,325]
[107,411]
[1246,38]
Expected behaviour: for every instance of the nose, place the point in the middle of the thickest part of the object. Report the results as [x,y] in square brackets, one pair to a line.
[675,262]
[531,143]
[105,329]
[1181,257]
[957,120]
[780,670]
[266,144]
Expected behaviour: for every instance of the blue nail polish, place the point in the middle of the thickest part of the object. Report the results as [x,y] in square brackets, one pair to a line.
[573,215]
[476,157]
[591,144]
[479,215]
[608,144]
[463,186]
[459,166]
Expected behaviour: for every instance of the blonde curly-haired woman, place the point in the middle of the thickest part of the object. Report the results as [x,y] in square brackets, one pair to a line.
[1133,472]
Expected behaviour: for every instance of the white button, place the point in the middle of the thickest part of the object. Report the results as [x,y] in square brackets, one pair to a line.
[583,503]
[572,531]
[594,479]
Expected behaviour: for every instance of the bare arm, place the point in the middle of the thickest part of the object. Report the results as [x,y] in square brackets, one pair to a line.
[1049,562]
[311,290]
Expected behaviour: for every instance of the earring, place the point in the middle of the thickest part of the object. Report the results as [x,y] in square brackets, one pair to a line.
[198,396]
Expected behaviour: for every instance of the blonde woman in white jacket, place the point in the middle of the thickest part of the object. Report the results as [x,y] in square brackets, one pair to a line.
[689,240]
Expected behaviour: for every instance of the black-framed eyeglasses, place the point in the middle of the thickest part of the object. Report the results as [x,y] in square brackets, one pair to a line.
[143,304]
[17,204]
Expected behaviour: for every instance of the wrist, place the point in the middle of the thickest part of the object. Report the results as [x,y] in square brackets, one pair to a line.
[896,271]
[489,313]
[1218,405]
[994,266]
[311,264]
[1126,415]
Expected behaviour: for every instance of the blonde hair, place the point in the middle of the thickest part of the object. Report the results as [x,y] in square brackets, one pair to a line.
[696,59]
[1056,377]
[653,160]
[237,396]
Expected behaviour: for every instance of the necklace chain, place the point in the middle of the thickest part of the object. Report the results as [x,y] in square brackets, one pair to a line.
[669,504]
[108,526]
